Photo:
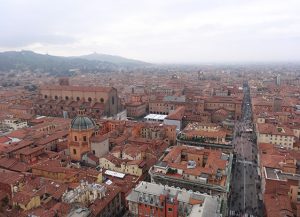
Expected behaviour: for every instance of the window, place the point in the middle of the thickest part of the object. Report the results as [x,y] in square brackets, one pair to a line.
[51,106]
[56,97]
[66,97]
[94,152]
[75,138]
[77,98]
[101,100]
[74,151]
[73,109]
[84,138]
[40,106]
[90,99]
[113,100]
[46,96]
[61,108]
[170,209]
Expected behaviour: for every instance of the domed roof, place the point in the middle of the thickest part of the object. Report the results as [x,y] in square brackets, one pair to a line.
[82,123]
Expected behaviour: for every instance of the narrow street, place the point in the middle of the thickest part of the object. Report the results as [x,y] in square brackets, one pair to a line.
[245,186]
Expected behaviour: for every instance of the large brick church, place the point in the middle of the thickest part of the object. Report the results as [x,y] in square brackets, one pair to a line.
[64,101]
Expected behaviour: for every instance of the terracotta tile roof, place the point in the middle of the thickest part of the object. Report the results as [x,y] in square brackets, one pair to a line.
[10,177]
[274,130]
[271,160]
[100,204]
[22,197]
[20,134]
[93,157]
[13,164]
[177,114]
[30,150]
[62,209]
[55,136]
[4,139]
[277,205]
[214,161]
[19,145]
[204,133]
[114,160]
[99,138]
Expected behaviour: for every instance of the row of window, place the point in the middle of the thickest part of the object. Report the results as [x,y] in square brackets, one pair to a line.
[84,138]
[284,144]
[220,104]
[151,207]
[77,98]
[279,137]
[73,109]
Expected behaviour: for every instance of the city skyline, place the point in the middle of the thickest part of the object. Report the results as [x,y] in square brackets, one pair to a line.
[156,32]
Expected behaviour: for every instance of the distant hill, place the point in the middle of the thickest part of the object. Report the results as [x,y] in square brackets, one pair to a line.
[28,60]
[112,59]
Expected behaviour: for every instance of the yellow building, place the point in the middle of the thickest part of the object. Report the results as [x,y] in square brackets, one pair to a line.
[276,135]
[134,167]
[26,201]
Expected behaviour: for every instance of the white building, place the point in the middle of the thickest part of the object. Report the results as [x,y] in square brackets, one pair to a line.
[85,193]
[15,123]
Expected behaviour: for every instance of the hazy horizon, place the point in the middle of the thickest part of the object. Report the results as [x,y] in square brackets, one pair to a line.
[170,31]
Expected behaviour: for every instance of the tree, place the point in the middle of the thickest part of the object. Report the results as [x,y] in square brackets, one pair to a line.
[172,171]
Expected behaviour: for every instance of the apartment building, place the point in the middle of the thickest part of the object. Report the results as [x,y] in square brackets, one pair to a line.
[277,135]
[150,199]
[194,168]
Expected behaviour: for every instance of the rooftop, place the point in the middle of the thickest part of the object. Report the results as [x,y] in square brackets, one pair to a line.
[150,193]
[155,117]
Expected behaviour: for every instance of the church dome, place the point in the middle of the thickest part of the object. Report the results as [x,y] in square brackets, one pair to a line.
[82,123]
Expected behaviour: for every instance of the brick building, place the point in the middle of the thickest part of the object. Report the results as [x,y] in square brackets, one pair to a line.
[65,101]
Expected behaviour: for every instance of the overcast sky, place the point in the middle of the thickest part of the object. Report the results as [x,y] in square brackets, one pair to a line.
[171,31]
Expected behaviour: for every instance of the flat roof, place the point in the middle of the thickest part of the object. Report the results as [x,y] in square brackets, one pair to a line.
[276,174]
[155,117]
[115,174]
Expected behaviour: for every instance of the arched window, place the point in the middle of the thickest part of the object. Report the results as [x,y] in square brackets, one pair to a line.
[66,97]
[56,97]
[101,100]
[77,98]
[90,99]
[113,100]
[46,96]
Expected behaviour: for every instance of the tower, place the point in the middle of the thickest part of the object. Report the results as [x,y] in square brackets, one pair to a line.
[277,104]
[81,130]
[278,82]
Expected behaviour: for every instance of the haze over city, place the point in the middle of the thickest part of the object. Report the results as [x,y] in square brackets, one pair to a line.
[170,31]
[161,108]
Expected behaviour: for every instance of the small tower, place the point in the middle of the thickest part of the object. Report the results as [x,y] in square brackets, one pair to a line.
[81,130]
